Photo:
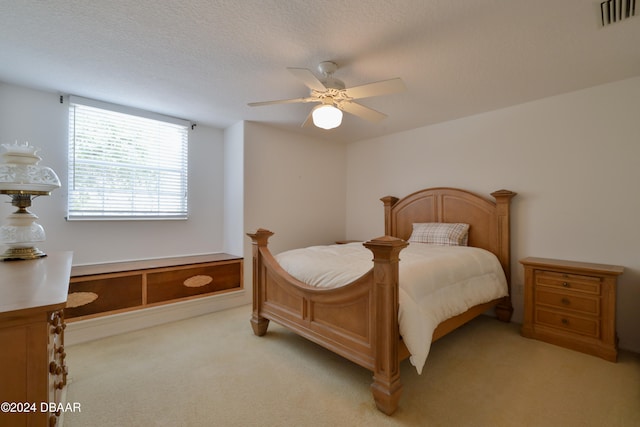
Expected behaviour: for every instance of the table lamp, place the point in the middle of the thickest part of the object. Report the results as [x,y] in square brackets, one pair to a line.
[23,179]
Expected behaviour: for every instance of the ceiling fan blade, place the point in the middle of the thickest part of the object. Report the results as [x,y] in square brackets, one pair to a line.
[383,87]
[281,101]
[308,120]
[362,111]
[308,78]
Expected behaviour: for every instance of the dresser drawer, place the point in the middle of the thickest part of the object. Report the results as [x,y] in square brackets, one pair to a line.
[193,280]
[568,301]
[580,325]
[91,295]
[573,282]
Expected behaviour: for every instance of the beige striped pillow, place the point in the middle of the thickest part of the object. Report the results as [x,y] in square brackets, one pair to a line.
[440,233]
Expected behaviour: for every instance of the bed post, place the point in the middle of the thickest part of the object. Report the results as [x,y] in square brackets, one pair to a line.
[504,309]
[388,201]
[386,386]
[259,239]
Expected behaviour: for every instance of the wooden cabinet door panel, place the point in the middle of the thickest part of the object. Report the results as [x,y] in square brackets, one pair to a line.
[182,283]
[97,295]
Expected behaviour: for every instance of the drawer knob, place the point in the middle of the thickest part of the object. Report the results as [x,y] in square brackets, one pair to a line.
[565,301]
[565,321]
[54,368]
[565,284]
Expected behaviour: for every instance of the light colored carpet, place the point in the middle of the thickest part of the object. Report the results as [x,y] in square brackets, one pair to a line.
[212,371]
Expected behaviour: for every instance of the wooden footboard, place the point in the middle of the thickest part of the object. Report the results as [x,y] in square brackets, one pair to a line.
[358,321]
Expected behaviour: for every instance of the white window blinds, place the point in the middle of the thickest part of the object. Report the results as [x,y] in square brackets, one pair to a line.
[125,163]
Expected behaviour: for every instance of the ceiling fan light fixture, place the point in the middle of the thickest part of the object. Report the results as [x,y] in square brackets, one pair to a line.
[326,116]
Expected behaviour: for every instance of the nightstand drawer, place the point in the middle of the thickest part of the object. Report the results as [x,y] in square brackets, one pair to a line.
[574,282]
[568,301]
[580,325]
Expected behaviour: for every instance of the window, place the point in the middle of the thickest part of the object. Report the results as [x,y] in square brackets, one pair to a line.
[125,163]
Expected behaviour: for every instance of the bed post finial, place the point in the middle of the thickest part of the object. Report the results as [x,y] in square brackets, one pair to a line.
[503,195]
[260,237]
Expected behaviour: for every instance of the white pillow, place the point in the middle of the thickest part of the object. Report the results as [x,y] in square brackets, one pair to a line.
[440,233]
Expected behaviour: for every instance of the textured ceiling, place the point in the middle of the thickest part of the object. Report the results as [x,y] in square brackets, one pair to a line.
[204,60]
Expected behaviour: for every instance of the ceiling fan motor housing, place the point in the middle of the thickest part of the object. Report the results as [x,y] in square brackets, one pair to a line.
[327,68]
[332,83]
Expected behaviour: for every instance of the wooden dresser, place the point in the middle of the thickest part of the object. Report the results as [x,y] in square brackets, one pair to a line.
[33,372]
[104,289]
[571,304]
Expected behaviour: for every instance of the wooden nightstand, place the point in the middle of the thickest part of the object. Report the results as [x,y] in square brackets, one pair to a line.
[571,304]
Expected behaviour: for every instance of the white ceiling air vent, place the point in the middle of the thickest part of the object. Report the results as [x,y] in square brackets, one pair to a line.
[613,11]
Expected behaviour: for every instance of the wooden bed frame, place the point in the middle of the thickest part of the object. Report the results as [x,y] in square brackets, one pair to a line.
[359,321]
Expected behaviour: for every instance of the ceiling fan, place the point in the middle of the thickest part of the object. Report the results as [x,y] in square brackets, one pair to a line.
[334,98]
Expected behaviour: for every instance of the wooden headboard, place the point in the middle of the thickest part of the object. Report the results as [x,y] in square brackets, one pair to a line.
[488,220]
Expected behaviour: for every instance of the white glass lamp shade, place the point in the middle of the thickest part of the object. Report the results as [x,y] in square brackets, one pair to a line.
[21,231]
[20,172]
[326,116]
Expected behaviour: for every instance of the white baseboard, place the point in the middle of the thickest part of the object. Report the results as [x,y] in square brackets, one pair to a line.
[101,327]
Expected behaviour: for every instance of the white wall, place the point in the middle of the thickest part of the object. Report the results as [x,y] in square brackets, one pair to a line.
[39,117]
[572,159]
[234,189]
[294,186]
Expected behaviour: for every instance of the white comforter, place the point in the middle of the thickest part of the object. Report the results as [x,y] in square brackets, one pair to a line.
[436,282]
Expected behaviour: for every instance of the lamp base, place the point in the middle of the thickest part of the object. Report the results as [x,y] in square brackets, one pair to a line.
[15,254]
